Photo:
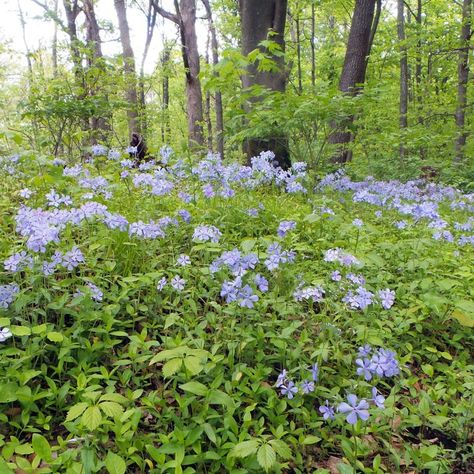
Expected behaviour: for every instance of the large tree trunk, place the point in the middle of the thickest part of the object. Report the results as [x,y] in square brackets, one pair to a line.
[165,65]
[258,19]
[129,68]
[353,72]
[218,95]
[185,18]
[403,75]
[463,77]
[71,8]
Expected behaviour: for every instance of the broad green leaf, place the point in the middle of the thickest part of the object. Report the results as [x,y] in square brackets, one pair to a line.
[193,365]
[76,410]
[111,409]
[171,367]
[281,448]
[266,457]
[169,354]
[113,397]
[464,318]
[8,392]
[245,448]
[54,336]
[41,447]
[196,388]
[311,439]
[115,464]
[20,330]
[91,418]
[217,397]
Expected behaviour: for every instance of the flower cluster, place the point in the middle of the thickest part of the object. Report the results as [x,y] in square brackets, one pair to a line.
[382,363]
[205,233]
[7,294]
[277,255]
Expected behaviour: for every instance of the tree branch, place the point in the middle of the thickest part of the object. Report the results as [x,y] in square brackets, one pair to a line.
[165,14]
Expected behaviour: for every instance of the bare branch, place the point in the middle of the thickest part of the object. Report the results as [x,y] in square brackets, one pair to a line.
[165,14]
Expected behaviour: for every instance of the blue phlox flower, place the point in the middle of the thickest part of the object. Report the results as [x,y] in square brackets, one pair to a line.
[183,260]
[378,400]
[327,411]
[314,372]
[354,409]
[261,282]
[307,386]
[161,283]
[387,298]
[290,389]
[364,368]
[178,283]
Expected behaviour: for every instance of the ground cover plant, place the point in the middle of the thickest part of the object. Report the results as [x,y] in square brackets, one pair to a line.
[192,315]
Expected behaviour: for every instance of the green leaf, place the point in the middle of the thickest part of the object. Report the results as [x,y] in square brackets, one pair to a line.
[20,330]
[41,447]
[169,354]
[196,388]
[245,448]
[171,367]
[54,336]
[311,439]
[466,319]
[281,448]
[266,457]
[76,410]
[193,365]
[217,397]
[111,409]
[113,397]
[115,464]
[91,418]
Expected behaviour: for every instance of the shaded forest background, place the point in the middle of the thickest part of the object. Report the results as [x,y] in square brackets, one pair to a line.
[247,83]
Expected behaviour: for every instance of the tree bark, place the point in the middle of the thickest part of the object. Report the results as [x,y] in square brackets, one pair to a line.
[313,54]
[218,95]
[185,18]
[99,122]
[463,77]
[403,74]
[353,73]
[258,20]
[71,8]
[165,122]
[129,68]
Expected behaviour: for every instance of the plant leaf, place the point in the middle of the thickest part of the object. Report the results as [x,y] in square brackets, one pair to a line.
[115,464]
[91,418]
[76,410]
[266,457]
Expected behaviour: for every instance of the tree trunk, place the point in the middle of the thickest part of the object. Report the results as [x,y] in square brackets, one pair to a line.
[218,95]
[185,18]
[129,68]
[353,72]
[165,122]
[419,70]
[55,43]
[463,77]
[71,8]
[313,55]
[403,75]
[150,27]
[99,123]
[258,19]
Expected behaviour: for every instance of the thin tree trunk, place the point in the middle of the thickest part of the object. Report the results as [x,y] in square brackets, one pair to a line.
[72,9]
[419,71]
[129,68]
[258,19]
[55,43]
[463,77]
[403,75]
[313,54]
[353,73]
[185,18]
[218,94]
[150,28]
[298,52]
[207,109]
[99,122]
[165,122]
[25,42]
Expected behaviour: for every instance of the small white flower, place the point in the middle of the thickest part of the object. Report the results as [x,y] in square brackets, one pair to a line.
[5,333]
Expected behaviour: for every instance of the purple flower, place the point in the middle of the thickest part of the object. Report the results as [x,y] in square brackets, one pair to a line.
[307,386]
[354,409]
[261,282]
[99,150]
[208,191]
[378,400]
[357,223]
[204,233]
[183,260]
[26,193]
[387,298]
[96,292]
[247,298]
[252,212]
[285,227]
[18,262]
[72,259]
[178,283]
[327,411]
[365,351]
[161,284]
[336,276]
[185,215]
[7,294]
[364,368]
[315,372]
[282,378]
[290,389]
